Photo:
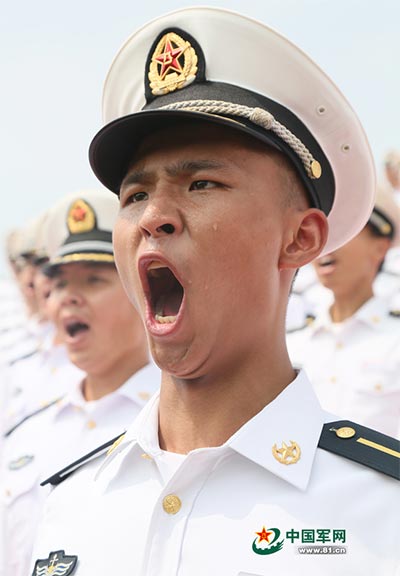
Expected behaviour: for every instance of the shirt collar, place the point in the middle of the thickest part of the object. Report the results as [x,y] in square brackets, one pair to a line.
[371,314]
[138,389]
[294,416]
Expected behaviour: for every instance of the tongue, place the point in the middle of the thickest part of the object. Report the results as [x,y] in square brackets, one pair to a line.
[169,304]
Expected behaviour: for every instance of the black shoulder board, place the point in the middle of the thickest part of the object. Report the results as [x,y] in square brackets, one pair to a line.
[63,474]
[23,357]
[362,445]
[394,313]
[38,411]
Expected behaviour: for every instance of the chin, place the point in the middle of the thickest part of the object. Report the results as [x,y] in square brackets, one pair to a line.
[179,362]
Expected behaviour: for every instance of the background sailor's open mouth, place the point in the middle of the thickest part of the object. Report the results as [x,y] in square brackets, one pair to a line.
[165,293]
[75,327]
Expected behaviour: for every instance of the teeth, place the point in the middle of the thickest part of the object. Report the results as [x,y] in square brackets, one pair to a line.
[155,264]
[165,319]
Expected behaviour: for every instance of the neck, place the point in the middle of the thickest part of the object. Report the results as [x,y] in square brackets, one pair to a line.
[345,305]
[207,411]
[96,385]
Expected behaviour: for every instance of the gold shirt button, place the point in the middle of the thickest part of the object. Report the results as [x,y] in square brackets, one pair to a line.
[339,345]
[171,504]
[91,424]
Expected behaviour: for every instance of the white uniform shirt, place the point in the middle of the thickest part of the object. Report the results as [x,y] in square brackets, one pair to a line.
[124,516]
[51,440]
[355,366]
[38,380]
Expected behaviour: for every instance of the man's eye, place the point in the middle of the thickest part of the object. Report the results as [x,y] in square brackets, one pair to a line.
[136,197]
[202,185]
[93,279]
[60,284]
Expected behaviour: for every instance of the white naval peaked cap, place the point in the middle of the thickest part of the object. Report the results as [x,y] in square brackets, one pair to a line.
[79,228]
[385,217]
[209,64]
[30,241]
[392,158]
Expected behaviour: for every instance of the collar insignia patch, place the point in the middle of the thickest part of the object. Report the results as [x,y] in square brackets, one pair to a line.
[287,454]
[266,543]
[173,64]
[81,217]
[20,462]
[57,564]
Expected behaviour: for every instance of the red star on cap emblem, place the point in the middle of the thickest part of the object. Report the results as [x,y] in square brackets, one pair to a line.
[263,535]
[79,214]
[169,59]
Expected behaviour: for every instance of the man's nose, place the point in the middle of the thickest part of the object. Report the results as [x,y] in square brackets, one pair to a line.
[71,297]
[161,217]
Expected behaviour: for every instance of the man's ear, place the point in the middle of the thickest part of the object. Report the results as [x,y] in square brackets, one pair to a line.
[381,247]
[304,238]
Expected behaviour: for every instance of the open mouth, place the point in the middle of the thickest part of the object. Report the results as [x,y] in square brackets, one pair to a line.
[75,327]
[165,291]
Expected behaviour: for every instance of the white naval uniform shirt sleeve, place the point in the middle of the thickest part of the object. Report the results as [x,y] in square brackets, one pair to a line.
[205,518]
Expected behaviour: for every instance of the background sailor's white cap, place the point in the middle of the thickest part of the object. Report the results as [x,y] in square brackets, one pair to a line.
[79,228]
[385,217]
[209,64]
[392,158]
[28,240]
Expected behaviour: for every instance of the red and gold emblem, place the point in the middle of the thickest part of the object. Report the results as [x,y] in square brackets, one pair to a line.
[173,64]
[80,218]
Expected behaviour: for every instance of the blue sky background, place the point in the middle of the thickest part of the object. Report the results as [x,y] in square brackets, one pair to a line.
[54,57]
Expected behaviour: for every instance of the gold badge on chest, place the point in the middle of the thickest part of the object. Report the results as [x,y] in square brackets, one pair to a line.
[173,64]
[287,454]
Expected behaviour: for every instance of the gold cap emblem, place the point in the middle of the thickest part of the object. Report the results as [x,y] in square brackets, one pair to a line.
[173,65]
[287,454]
[80,218]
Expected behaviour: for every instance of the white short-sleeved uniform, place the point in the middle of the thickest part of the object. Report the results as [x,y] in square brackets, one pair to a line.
[315,296]
[52,439]
[206,517]
[354,366]
[37,380]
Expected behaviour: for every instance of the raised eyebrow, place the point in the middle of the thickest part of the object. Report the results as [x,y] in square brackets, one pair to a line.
[135,177]
[192,166]
[184,167]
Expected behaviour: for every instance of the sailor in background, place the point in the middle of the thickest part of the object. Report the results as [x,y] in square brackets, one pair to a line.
[392,172]
[105,338]
[351,350]
[236,161]
[38,378]
[21,334]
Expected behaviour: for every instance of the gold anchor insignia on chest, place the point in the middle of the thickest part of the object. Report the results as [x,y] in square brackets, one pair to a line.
[57,564]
